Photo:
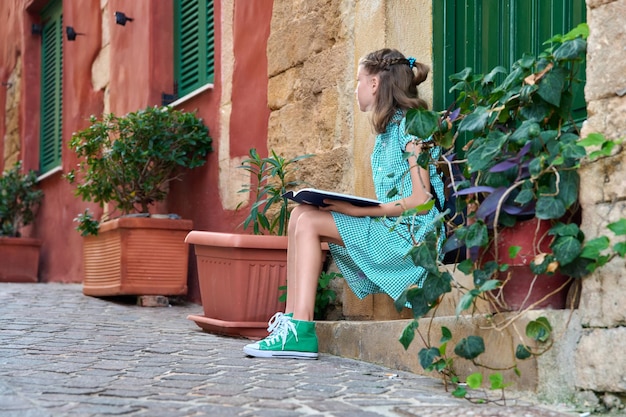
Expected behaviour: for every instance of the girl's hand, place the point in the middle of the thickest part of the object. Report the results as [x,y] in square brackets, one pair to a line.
[341,207]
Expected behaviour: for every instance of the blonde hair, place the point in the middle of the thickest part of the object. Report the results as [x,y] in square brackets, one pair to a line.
[398,83]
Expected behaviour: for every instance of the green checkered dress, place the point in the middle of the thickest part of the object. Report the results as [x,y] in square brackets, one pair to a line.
[374,258]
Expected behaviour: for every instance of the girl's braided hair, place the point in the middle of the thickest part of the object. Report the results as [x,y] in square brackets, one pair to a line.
[398,83]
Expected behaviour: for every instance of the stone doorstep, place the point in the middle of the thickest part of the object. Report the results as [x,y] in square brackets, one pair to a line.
[551,374]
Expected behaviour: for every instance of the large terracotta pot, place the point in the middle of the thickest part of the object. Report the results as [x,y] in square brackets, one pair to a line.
[239,277]
[137,256]
[19,259]
[520,292]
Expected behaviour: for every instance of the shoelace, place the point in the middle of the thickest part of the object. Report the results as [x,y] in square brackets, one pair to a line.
[282,332]
[276,322]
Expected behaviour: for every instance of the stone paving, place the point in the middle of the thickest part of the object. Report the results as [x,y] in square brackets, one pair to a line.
[66,354]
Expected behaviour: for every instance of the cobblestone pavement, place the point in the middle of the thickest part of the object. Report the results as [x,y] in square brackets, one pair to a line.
[66,354]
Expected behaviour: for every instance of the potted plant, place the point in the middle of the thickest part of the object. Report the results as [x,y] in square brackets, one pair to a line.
[519,169]
[520,177]
[129,161]
[19,199]
[240,274]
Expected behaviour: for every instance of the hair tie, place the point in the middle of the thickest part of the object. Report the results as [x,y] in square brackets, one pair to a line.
[411,61]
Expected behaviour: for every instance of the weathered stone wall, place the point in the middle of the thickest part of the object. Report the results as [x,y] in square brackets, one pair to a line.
[600,363]
[310,55]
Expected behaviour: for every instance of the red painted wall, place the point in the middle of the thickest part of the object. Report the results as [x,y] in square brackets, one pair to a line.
[141,69]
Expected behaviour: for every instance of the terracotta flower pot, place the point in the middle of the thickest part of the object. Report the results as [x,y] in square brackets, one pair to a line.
[523,290]
[137,256]
[19,259]
[239,277]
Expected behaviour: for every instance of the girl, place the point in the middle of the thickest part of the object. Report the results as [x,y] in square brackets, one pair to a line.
[371,257]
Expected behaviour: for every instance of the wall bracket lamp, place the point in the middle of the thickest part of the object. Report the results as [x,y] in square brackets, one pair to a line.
[121,18]
[71,33]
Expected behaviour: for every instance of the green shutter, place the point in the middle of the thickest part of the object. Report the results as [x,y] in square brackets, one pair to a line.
[193,42]
[51,88]
[483,34]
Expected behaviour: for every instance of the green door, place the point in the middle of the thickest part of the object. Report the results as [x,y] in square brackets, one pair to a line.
[483,34]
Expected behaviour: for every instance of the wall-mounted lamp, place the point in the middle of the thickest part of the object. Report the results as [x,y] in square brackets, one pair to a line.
[121,18]
[36,29]
[71,33]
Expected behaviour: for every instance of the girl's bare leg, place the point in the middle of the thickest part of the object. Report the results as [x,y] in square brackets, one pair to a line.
[291,252]
[310,228]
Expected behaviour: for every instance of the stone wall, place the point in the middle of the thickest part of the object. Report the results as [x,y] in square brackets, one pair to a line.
[600,363]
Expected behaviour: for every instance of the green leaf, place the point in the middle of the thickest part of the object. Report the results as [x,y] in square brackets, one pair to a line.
[593,247]
[525,196]
[578,268]
[420,304]
[465,302]
[490,285]
[568,187]
[539,330]
[593,139]
[462,75]
[513,251]
[459,392]
[470,347]
[427,356]
[482,156]
[551,86]
[522,352]
[477,235]
[422,123]
[570,50]
[620,248]
[475,380]
[618,227]
[528,129]
[482,275]
[446,334]
[408,334]
[562,229]
[426,256]
[566,249]
[466,266]
[549,208]
[497,381]
[535,166]
[436,285]
[475,121]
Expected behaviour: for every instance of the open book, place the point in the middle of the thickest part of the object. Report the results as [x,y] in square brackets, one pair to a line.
[316,197]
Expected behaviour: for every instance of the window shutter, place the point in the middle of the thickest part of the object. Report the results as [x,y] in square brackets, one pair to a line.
[483,34]
[51,88]
[193,43]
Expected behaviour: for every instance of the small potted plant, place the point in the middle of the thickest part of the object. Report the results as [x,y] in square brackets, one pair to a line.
[240,274]
[19,199]
[129,161]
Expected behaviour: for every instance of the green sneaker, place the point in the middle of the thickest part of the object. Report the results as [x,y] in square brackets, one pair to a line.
[277,321]
[295,339]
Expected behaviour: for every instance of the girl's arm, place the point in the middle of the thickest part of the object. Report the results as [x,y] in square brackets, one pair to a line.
[420,193]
